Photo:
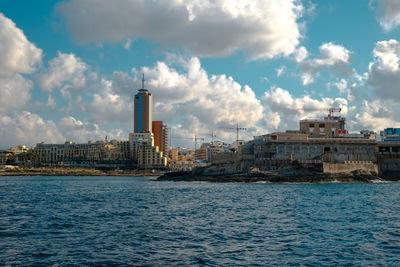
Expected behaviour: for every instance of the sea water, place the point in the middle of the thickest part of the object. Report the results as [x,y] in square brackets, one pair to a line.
[108,221]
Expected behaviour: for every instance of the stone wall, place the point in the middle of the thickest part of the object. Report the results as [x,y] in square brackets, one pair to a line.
[350,166]
[389,165]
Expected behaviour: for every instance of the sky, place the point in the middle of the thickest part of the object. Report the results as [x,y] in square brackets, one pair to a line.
[69,69]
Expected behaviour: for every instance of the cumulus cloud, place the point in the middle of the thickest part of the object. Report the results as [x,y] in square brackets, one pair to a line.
[262,29]
[14,92]
[27,128]
[384,71]
[389,14]
[17,54]
[65,68]
[214,101]
[280,71]
[109,106]
[78,131]
[331,56]
[201,103]
[285,110]
[375,115]
[300,54]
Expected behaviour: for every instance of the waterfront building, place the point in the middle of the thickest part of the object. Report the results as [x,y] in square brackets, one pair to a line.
[50,153]
[147,147]
[123,147]
[75,153]
[390,135]
[160,133]
[143,152]
[201,154]
[18,149]
[173,154]
[143,111]
[4,155]
[92,153]
[324,127]
[102,151]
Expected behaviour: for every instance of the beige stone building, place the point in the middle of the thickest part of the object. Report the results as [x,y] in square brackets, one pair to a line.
[99,151]
[50,153]
[323,127]
[174,154]
[4,154]
[144,153]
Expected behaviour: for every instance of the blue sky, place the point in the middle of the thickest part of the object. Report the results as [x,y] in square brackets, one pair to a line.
[69,69]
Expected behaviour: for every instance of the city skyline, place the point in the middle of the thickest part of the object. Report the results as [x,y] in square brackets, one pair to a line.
[69,70]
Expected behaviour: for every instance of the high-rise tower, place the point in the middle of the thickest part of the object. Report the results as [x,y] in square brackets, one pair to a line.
[143,111]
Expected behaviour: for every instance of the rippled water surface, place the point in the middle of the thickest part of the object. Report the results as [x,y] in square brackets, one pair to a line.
[138,221]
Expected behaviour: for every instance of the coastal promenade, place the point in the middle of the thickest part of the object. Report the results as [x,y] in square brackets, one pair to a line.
[61,171]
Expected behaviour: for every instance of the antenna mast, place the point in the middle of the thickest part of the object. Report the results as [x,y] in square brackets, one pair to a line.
[142,80]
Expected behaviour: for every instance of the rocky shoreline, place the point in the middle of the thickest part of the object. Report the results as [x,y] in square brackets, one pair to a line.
[274,177]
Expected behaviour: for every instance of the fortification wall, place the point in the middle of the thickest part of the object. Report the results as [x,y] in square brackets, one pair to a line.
[389,165]
[350,166]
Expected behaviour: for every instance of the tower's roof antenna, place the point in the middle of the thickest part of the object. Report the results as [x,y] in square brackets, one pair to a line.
[142,80]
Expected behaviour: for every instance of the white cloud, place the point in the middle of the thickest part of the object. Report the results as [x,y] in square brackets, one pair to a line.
[262,29]
[108,106]
[389,14]
[283,111]
[128,44]
[214,101]
[300,54]
[332,56]
[17,54]
[384,71]
[78,131]
[280,71]
[51,103]
[341,85]
[14,92]
[27,128]
[200,103]
[375,115]
[65,68]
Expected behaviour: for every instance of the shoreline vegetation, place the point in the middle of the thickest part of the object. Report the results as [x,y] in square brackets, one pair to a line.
[66,171]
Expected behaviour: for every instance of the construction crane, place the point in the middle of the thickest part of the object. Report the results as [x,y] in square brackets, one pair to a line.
[195,138]
[212,135]
[237,128]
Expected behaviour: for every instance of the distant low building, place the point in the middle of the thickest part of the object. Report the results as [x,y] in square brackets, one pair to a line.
[390,135]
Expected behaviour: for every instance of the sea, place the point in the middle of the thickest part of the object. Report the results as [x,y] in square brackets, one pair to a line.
[138,221]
